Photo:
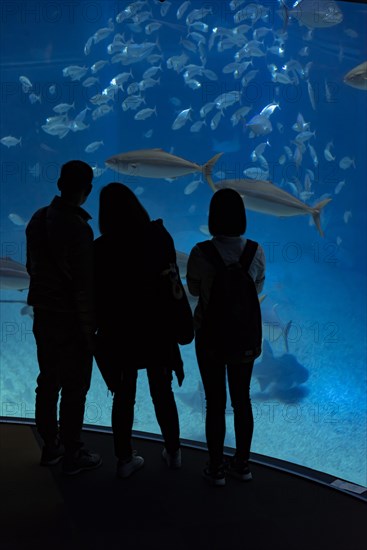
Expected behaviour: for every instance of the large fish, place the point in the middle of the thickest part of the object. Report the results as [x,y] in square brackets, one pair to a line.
[281,377]
[357,77]
[313,13]
[267,198]
[13,275]
[157,163]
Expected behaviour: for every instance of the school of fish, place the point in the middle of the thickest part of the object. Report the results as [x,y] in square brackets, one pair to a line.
[132,51]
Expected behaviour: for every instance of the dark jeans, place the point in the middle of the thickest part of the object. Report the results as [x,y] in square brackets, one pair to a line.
[65,365]
[213,374]
[160,385]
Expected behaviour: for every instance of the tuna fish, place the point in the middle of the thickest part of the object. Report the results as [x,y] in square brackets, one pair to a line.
[357,77]
[267,198]
[13,275]
[157,163]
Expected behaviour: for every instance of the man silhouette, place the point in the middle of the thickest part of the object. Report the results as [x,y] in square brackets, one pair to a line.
[60,265]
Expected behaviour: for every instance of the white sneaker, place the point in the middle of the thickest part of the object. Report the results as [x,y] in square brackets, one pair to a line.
[173,461]
[127,467]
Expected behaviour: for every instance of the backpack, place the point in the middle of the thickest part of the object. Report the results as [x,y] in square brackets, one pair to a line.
[232,320]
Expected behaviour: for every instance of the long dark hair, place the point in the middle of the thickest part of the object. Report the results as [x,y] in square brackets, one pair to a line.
[120,210]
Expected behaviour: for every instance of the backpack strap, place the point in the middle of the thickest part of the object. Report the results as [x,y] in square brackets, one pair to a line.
[248,254]
[211,254]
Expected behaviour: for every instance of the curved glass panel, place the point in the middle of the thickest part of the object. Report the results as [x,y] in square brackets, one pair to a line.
[264,84]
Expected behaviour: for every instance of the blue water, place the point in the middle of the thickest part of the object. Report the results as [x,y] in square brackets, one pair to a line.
[315,286]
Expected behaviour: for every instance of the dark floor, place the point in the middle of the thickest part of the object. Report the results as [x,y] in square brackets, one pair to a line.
[157,508]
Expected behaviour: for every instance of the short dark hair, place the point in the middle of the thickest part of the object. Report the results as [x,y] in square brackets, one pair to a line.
[120,210]
[75,176]
[227,213]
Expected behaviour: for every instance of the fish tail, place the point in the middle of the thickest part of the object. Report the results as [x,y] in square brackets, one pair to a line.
[207,170]
[316,211]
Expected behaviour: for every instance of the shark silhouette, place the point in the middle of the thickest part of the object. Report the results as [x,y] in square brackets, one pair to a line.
[280,377]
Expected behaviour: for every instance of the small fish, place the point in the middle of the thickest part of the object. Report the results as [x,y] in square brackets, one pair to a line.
[259,149]
[152,27]
[75,72]
[327,153]
[145,113]
[259,125]
[197,126]
[182,8]
[313,155]
[17,220]
[269,109]
[63,108]
[98,65]
[311,95]
[90,81]
[346,162]
[26,84]
[300,125]
[181,119]
[97,171]
[10,141]
[33,98]
[347,215]
[215,120]
[357,77]
[93,146]
[256,173]
[191,187]
[339,187]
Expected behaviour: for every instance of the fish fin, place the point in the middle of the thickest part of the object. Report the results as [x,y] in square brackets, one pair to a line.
[207,170]
[285,335]
[316,211]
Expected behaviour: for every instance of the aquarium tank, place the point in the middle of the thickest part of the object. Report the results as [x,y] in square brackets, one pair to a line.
[266,97]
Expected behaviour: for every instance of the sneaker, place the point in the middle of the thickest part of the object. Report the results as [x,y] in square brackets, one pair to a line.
[81,461]
[52,454]
[127,467]
[238,469]
[215,476]
[173,460]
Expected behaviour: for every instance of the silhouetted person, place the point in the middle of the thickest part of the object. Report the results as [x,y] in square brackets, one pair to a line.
[133,332]
[227,222]
[60,265]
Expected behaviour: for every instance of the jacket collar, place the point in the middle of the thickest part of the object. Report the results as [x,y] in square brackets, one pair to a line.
[61,204]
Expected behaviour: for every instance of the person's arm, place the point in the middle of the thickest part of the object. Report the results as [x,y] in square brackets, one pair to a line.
[82,276]
[193,276]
